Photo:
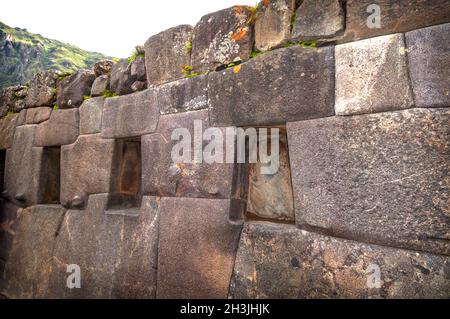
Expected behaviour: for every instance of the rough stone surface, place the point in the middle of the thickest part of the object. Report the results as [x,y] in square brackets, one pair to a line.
[9,214]
[279,261]
[121,80]
[270,196]
[372,76]
[137,69]
[132,115]
[91,116]
[37,115]
[28,268]
[42,89]
[22,174]
[166,54]
[86,168]
[429,64]
[103,67]
[162,177]
[274,88]
[380,178]
[100,85]
[222,37]
[73,89]
[401,16]
[62,128]
[197,247]
[273,24]
[318,19]
[12,99]
[7,127]
[139,86]
[183,95]
[117,253]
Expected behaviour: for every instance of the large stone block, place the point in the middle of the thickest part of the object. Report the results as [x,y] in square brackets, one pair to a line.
[7,127]
[86,168]
[222,37]
[42,89]
[9,215]
[62,128]
[131,115]
[372,76]
[166,53]
[273,24]
[380,178]
[162,177]
[37,115]
[73,89]
[401,16]
[284,85]
[29,266]
[23,167]
[100,85]
[279,261]
[318,19]
[117,254]
[91,116]
[197,247]
[429,65]
[183,95]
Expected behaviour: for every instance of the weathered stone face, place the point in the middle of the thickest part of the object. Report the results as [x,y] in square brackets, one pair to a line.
[100,85]
[401,16]
[279,261]
[377,178]
[22,173]
[103,67]
[137,69]
[37,115]
[73,89]
[9,214]
[121,80]
[91,115]
[7,127]
[221,37]
[42,89]
[197,247]
[372,76]
[429,64]
[132,115]
[274,88]
[117,254]
[183,95]
[273,24]
[62,128]
[270,196]
[166,54]
[86,168]
[162,177]
[12,99]
[318,19]
[29,266]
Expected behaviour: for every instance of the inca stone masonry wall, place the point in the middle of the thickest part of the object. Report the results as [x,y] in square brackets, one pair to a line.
[87,177]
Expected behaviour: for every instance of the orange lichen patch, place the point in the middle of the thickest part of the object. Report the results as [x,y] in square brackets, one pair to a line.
[237,69]
[266,3]
[240,34]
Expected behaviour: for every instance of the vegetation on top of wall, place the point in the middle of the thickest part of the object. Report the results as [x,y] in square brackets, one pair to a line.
[23,54]
[134,56]
[108,94]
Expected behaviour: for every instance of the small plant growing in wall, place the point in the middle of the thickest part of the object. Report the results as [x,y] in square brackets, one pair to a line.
[56,107]
[108,94]
[134,56]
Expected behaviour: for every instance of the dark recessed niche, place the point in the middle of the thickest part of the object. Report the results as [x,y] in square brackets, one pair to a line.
[50,176]
[126,175]
[268,197]
[2,169]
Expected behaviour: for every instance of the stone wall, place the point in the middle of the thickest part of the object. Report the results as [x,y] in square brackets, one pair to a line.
[363,188]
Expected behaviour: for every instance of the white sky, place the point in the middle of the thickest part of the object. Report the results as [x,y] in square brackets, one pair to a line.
[111,27]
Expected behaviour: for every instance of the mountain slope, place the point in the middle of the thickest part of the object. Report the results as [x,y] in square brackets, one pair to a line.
[22,54]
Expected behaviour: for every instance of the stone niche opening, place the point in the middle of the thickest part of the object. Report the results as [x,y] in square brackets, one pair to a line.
[269,197]
[126,190]
[50,176]
[2,169]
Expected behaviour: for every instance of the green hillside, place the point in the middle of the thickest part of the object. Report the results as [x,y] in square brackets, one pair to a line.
[22,54]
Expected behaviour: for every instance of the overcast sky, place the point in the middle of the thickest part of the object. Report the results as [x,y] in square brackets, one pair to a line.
[112,27]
